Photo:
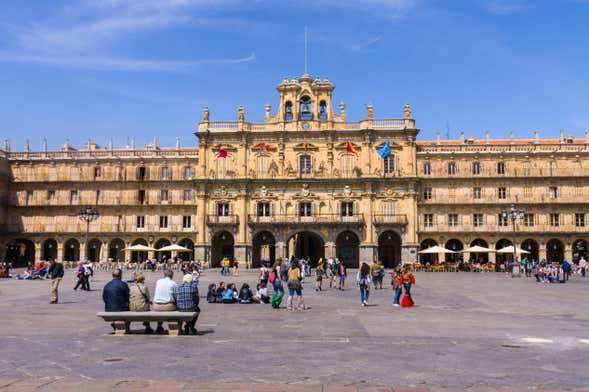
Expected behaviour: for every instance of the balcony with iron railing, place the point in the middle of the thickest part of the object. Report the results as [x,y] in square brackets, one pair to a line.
[285,219]
[222,219]
[389,219]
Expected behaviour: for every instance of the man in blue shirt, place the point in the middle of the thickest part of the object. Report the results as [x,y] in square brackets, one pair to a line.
[186,299]
[116,293]
[55,273]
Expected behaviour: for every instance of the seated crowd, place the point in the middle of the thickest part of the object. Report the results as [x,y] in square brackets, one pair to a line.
[168,296]
[228,294]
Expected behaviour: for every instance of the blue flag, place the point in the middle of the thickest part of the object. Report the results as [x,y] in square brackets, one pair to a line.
[385,150]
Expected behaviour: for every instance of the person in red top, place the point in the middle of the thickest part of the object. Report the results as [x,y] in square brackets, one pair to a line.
[408,280]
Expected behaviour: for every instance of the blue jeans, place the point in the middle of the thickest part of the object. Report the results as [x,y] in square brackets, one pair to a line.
[407,287]
[397,295]
[278,287]
[364,293]
[291,292]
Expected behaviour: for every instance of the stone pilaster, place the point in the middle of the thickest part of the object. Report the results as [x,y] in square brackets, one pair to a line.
[367,254]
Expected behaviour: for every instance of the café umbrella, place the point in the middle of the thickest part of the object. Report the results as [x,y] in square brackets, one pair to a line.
[140,248]
[509,249]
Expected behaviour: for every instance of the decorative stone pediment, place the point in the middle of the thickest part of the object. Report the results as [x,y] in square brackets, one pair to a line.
[305,147]
[344,146]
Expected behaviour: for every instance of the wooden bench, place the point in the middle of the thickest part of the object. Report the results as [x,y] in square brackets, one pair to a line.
[121,319]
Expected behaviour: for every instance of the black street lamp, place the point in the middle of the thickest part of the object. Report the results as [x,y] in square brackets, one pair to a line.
[513,214]
[88,215]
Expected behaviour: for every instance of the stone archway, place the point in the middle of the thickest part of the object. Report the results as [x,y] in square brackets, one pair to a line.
[222,245]
[20,252]
[503,258]
[554,251]
[305,244]
[389,249]
[49,249]
[263,249]
[428,258]
[71,250]
[347,249]
[139,256]
[532,247]
[165,254]
[579,250]
[482,257]
[93,250]
[455,246]
[189,244]
[116,250]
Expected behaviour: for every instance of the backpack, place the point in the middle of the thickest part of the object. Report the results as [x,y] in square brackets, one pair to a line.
[272,277]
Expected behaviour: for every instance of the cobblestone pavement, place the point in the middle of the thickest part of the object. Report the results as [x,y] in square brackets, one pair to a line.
[467,331]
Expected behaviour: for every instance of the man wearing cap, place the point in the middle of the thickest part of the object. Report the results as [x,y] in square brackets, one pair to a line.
[186,299]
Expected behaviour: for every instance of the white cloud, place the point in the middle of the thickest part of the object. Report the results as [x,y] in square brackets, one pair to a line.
[119,64]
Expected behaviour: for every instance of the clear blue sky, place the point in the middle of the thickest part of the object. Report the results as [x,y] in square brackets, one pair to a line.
[120,68]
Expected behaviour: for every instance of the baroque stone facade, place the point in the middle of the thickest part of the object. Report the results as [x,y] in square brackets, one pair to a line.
[306,182]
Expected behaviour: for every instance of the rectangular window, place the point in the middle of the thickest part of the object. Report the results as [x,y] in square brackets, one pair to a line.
[529,220]
[142,174]
[451,168]
[187,194]
[502,220]
[223,209]
[73,197]
[500,168]
[141,196]
[580,220]
[186,222]
[163,222]
[527,192]
[476,168]
[427,168]
[140,222]
[389,164]
[554,220]
[97,172]
[305,164]
[501,193]
[552,192]
[347,165]
[187,173]
[388,207]
[262,163]
[427,193]
[98,196]
[264,209]
[428,220]
[50,195]
[476,193]
[347,208]
[305,209]
[164,195]
[477,220]
[165,173]
[452,219]
[29,197]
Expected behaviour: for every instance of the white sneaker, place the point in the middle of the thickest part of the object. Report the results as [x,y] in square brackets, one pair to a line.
[395,304]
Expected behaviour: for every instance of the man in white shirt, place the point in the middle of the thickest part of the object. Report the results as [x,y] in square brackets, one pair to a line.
[162,298]
[583,265]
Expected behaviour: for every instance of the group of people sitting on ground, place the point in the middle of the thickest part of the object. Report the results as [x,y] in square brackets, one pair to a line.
[168,296]
[229,294]
[552,272]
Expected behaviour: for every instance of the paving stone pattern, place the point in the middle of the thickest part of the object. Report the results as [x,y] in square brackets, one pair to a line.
[468,330]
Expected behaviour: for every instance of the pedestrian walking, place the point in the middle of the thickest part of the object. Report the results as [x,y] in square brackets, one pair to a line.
[363,280]
[397,285]
[276,281]
[408,281]
[80,276]
[342,273]
[294,286]
[55,273]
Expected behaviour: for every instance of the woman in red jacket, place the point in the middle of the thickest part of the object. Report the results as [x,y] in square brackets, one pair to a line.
[408,279]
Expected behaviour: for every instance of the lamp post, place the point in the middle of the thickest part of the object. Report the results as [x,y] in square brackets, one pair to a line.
[513,214]
[87,215]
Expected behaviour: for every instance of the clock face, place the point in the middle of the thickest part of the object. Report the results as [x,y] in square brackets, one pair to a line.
[306,126]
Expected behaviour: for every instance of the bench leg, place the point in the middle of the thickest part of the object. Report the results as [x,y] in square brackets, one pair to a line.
[120,328]
[174,328]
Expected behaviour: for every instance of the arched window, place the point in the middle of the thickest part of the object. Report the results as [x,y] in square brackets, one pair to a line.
[322,111]
[389,164]
[305,112]
[288,111]
[305,164]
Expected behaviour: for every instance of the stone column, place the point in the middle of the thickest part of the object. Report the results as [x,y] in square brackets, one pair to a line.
[127,252]
[329,249]
[409,254]
[60,251]
[367,253]
[568,252]
[542,252]
[103,252]
[82,251]
[38,254]
[280,249]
